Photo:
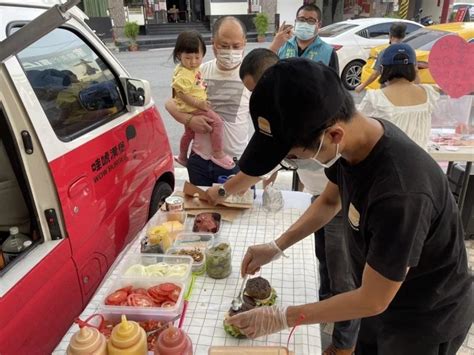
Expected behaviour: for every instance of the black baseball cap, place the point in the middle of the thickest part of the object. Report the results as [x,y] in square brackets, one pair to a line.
[294,96]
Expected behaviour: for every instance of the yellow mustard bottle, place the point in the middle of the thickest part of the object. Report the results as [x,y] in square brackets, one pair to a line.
[87,341]
[127,338]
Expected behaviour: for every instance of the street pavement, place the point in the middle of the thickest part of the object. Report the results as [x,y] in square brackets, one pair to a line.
[157,67]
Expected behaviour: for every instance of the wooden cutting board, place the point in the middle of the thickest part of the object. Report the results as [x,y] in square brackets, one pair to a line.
[199,199]
[249,350]
[227,214]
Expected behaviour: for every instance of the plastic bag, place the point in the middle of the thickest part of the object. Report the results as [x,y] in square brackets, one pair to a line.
[272,199]
[449,112]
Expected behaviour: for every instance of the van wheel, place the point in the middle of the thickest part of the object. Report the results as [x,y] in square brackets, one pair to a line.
[161,191]
[351,74]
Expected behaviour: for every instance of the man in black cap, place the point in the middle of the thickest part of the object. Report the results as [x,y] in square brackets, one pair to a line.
[400,218]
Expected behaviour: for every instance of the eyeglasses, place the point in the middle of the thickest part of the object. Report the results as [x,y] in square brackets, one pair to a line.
[310,21]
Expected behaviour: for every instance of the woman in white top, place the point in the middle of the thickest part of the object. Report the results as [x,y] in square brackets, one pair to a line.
[401,101]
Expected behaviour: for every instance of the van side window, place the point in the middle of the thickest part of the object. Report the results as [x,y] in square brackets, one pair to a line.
[76,88]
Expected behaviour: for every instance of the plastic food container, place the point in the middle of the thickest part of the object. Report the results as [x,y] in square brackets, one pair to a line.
[164,216]
[157,266]
[219,259]
[161,235]
[190,239]
[110,320]
[146,313]
[207,222]
[199,266]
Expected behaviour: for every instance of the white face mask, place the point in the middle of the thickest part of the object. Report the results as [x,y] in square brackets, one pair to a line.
[229,58]
[331,162]
[308,164]
[304,31]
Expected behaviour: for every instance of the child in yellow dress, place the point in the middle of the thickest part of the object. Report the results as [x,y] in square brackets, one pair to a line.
[189,93]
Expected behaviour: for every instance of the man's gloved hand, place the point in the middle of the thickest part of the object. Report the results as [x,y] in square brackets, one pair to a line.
[259,255]
[260,321]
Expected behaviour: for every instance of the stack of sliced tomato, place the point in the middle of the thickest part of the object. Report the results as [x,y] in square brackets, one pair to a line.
[164,295]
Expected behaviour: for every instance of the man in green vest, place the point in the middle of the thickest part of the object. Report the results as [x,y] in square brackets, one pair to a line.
[303,41]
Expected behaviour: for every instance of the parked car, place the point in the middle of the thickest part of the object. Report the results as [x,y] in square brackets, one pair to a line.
[422,41]
[353,40]
[462,11]
[84,162]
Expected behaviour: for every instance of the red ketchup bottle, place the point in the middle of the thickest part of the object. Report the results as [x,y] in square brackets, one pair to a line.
[173,341]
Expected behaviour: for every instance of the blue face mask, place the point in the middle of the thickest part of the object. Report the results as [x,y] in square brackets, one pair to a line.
[304,31]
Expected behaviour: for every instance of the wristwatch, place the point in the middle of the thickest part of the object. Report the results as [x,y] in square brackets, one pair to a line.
[221,191]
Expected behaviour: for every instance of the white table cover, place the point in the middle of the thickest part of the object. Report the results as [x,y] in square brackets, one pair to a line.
[295,279]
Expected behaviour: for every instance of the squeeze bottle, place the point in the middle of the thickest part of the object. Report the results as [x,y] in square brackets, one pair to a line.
[127,338]
[87,341]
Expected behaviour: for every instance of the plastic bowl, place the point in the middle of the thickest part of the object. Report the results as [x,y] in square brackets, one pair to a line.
[199,267]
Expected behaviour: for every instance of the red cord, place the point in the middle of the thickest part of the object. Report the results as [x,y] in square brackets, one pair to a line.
[85,323]
[183,313]
[298,322]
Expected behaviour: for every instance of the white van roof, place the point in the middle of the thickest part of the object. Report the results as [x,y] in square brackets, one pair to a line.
[43,4]
[32,3]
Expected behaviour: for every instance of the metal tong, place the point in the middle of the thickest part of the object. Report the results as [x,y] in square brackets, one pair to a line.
[237,301]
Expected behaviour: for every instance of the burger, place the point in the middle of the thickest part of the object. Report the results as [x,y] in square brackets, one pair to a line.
[260,290]
[257,293]
[247,304]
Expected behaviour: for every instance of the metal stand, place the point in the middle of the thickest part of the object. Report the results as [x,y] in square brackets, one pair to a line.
[295,182]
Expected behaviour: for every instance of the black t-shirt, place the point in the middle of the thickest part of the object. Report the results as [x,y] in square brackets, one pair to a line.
[398,213]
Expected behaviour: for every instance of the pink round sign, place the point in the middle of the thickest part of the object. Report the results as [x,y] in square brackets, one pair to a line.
[451,64]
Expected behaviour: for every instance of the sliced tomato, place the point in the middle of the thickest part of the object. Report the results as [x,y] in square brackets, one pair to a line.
[116,298]
[158,300]
[139,300]
[155,292]
[127,289]
[168,304]
[140,291]
[175,294]
[167,287]
[150,325]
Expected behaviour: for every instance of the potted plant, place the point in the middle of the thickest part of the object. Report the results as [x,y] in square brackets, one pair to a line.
[130,31]
[261,25]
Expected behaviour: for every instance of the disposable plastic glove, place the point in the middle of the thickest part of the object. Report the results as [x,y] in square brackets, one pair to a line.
[259,255]
[260,321]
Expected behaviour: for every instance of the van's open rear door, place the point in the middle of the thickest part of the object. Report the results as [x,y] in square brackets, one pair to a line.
[40,26]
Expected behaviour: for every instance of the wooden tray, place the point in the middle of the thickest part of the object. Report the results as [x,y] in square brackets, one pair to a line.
[249,350]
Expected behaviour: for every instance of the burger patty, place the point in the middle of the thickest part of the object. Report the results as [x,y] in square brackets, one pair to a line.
[245,306]
[258,288]
[249,301]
